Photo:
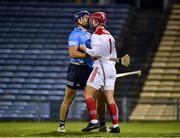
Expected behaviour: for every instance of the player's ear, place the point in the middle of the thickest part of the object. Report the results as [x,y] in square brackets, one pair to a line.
[80,20]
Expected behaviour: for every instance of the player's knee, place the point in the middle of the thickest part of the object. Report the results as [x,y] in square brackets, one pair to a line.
[87,94]
[110,100]
[68,100]
[70,97]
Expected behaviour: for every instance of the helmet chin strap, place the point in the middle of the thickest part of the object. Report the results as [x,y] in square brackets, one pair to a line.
[96,26]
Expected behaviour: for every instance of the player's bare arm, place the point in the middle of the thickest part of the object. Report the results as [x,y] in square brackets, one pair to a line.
[75,53]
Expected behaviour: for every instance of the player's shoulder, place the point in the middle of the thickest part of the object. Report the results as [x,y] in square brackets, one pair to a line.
[75,33]
[95,36]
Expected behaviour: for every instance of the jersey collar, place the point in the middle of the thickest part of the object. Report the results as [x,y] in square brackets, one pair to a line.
[81,28]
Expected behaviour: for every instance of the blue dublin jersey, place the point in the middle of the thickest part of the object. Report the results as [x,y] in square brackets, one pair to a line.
[76,38]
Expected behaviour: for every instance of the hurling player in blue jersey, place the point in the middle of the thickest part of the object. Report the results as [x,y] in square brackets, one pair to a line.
[79,69]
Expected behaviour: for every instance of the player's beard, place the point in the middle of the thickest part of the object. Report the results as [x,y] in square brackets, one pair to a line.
[84,26]
[87,25]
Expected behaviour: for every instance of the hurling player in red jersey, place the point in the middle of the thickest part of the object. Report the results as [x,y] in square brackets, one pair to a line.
[103,75]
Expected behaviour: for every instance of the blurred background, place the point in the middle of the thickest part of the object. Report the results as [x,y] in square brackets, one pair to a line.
[34,58]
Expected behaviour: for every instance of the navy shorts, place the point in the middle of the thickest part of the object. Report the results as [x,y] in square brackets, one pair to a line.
[77,76]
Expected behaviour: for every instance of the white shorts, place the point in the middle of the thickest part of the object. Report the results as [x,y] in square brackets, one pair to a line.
[97,80]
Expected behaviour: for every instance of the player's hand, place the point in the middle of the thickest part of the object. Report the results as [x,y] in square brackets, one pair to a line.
[96,57]
[125,60]
[82,47]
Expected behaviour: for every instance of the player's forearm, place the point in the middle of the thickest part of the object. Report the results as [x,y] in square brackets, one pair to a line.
[91,52]
[77,54]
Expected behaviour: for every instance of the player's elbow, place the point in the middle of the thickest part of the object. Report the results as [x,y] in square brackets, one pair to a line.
[72,54]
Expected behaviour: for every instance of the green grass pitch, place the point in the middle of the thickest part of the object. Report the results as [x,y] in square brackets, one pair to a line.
[73,129]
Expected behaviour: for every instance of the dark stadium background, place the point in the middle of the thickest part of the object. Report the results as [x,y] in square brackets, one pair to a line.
[34,58]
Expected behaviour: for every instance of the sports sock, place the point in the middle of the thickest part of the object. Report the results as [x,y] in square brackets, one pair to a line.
[91,105]
[62,123]
[115,125]
[94,121]
[114,113]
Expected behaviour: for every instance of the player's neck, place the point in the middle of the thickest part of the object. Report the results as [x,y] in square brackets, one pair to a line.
[81,27]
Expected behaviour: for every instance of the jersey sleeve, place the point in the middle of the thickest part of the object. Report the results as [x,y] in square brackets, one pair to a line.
[73,39]
[95,47]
